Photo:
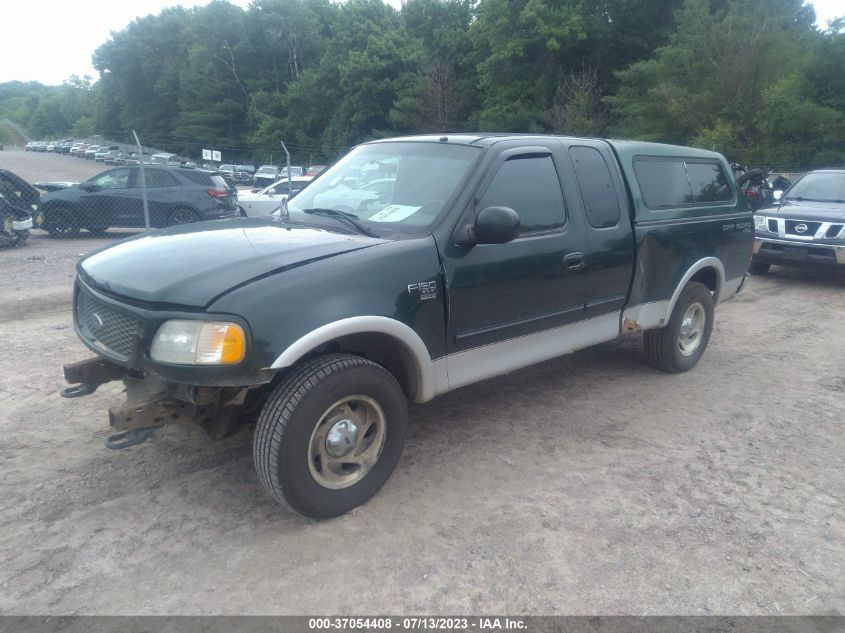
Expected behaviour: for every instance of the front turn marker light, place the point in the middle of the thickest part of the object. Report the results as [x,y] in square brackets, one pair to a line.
[199,343]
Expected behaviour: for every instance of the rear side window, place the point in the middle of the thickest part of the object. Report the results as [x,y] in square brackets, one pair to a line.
[530,187]
[677,183]
[159,178]
[205,179]
[596,184]
[708,182]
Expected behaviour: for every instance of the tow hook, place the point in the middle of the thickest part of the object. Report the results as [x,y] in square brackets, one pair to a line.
[132,437]
[77,391]
[88,375]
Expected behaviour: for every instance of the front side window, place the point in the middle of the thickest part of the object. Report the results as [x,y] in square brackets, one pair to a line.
[529,186]
[114,179]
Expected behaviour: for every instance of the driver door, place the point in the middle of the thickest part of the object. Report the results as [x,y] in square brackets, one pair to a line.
[504,298]
[109,203]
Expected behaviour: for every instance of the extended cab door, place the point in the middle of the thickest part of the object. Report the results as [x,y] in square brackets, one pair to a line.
[534,284]
[597,194]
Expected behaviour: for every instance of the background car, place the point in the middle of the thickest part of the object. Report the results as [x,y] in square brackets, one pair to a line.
[313,170]
[267,200]
[113,198]
[100,154]
[243,174]
[265,175]
[806,227]
[91,152]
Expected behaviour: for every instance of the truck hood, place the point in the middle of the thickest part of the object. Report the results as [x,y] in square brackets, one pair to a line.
[195,264]
[809,210]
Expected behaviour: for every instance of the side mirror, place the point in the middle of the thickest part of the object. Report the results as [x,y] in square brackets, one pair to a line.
[778,194]
[89,186]
[496,225]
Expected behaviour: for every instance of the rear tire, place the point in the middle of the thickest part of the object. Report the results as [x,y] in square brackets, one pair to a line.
[679,345]
[60,223]
[759,268]
[97,231]
[183,216]
[328,405]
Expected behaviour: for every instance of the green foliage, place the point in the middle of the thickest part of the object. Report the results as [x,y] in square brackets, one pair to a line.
[753,79]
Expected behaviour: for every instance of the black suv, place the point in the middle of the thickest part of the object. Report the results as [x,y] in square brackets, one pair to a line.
[114,198]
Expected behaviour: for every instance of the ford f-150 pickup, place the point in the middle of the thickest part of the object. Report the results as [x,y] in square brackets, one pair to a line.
[486,254]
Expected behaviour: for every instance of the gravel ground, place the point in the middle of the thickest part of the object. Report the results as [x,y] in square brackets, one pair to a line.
[588,484]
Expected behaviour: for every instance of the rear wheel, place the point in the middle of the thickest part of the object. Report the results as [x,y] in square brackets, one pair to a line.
[330,435]
[183,216]
[679,346]
[759,268]
[60,223]
[97,231]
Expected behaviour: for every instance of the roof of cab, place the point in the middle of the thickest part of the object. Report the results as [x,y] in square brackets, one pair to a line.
[621,146]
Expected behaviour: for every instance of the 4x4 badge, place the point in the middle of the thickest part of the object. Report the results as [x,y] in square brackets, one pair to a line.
[427,289]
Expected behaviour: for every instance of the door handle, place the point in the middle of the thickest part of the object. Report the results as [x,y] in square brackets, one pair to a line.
[574,261]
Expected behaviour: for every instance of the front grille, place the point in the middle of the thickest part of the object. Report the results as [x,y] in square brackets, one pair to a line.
[111,329]
[833,231]
[808,228]
[773,226]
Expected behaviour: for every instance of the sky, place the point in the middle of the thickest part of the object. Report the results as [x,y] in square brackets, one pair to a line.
[57,38]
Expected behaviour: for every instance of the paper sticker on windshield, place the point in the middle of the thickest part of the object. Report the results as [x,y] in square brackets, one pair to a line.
[394,213]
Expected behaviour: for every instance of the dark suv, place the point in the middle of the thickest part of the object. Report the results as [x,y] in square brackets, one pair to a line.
[114,198]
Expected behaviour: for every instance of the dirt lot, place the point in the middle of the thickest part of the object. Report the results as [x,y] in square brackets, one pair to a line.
[590,484]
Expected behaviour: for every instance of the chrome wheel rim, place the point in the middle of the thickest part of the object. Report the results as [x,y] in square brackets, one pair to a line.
[692,329]
[346,442]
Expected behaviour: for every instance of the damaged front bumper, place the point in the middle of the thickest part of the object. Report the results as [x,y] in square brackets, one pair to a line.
[152,402]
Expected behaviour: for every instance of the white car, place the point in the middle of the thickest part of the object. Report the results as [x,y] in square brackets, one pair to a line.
[267,200]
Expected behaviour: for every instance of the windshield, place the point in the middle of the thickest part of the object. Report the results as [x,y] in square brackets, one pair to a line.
[819,186]
[389,187]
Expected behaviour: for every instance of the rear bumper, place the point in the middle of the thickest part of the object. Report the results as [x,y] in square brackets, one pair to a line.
[795,253]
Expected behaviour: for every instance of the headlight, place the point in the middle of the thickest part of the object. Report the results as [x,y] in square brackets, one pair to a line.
[761,223]
[199,343]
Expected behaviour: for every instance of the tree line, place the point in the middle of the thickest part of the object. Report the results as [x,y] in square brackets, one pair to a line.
[754,79]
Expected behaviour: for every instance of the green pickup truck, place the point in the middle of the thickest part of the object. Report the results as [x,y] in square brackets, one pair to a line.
[411,267]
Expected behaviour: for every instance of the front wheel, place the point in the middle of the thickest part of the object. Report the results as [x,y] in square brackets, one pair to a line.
[330,435]
[60,223]
[679,345]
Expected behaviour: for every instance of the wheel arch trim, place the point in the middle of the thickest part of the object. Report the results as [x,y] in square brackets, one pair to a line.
[656,314]
[425,369]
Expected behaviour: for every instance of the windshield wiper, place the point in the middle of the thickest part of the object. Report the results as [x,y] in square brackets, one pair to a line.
[350,219]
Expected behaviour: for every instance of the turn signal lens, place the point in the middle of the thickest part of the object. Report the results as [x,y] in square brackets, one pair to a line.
[220,344]
[199,343]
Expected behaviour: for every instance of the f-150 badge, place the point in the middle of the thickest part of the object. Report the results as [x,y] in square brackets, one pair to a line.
[427,289]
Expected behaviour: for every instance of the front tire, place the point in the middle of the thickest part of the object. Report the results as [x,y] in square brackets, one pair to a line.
[679,345]
[330,434]
[60,223]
